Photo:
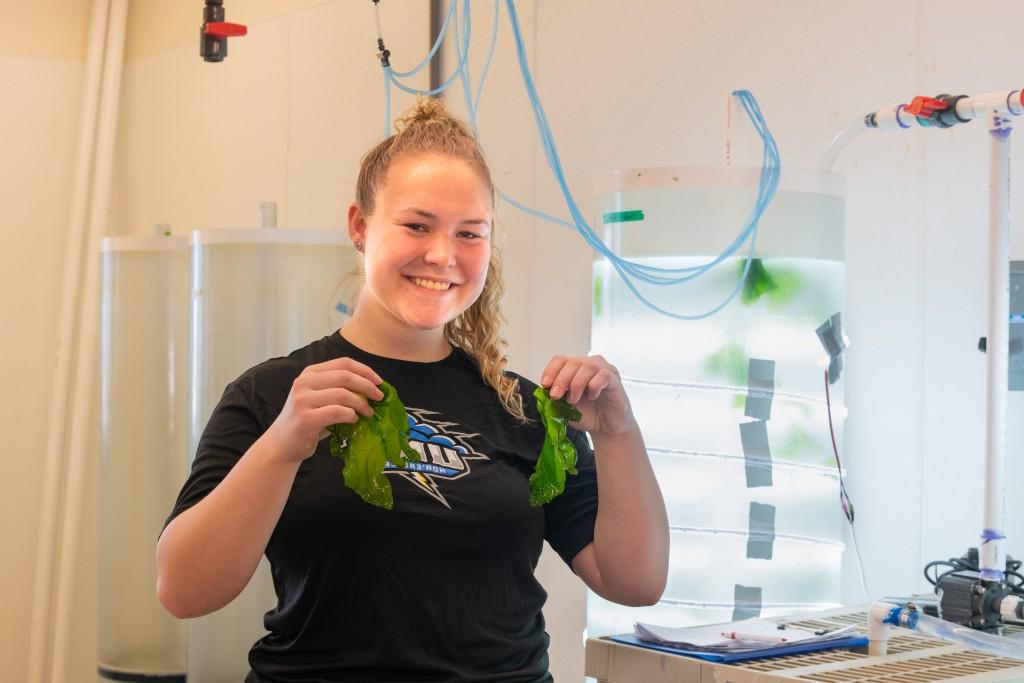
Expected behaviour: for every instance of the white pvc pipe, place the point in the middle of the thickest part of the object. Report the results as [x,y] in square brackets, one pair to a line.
[83,414]
[1001,102]
[39,634]
[967,108]
[997,346]
[879,632]
[894,118]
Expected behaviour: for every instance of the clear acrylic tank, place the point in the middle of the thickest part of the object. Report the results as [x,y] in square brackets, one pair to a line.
[256,294]
[143,442]
[750,483]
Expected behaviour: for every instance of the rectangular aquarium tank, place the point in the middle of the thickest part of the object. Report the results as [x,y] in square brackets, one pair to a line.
[732,407]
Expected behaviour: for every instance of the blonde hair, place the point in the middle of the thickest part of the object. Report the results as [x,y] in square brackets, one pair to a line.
[430,128]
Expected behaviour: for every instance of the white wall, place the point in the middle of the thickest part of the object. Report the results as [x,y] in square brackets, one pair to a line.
[624,84]
[42,46]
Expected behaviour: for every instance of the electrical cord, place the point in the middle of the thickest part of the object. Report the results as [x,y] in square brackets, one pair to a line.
[1013,578]
[844,498]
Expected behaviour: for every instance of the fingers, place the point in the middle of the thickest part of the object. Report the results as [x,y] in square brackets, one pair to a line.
[332,415]
[336,391]
[348,364]
[558,375]
[576,378]
[343,379]
[343,373]
[598,383]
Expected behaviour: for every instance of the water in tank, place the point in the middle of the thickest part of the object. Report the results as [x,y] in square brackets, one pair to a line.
[256,294]
[143,443]
[732,407]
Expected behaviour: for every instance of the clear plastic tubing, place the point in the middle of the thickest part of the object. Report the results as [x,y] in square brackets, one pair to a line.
[969,637]
[828,159]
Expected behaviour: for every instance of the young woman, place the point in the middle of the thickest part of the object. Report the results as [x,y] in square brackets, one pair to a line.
[442,586]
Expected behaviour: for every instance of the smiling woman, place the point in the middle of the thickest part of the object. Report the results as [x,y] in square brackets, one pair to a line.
[438,162]
[441,586]
[427,247]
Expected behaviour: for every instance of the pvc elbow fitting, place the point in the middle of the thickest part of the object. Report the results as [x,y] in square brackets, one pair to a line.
[879,629]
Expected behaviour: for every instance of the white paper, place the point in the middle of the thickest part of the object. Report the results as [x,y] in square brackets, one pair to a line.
[752,634]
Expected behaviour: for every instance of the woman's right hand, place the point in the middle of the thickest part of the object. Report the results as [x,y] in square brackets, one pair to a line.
[322,395]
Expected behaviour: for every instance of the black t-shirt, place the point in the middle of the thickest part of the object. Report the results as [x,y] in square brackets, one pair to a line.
[442,587]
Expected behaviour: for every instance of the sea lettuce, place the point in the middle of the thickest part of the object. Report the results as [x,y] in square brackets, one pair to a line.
[557,455]
[368,444]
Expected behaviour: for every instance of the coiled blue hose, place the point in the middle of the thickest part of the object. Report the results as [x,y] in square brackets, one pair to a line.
[629,271]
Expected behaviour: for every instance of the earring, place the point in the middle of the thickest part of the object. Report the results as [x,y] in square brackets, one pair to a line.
[359,247]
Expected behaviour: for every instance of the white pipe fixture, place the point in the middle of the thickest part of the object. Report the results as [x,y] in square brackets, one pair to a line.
[879,629]
[79,445]
[53,466]
[998,345]
[268,215]
[1002,102]
[944,111]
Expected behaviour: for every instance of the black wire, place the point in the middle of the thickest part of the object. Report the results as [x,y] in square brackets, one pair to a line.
[956,564]
[844,498]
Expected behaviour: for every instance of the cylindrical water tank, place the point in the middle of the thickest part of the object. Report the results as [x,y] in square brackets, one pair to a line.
[256,294]
[143,445]
[732,407]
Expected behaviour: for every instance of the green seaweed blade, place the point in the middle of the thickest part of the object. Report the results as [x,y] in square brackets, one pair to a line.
[366,446]
[557,455]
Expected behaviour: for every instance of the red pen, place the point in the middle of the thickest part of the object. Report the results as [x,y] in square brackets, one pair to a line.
[753,637]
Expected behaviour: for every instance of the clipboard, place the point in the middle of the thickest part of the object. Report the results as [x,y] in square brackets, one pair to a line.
[761,653]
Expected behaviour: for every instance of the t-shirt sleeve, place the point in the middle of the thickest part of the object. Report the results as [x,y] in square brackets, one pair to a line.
[569,518]
[233,427]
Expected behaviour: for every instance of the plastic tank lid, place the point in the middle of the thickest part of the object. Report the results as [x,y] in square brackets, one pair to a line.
[269,236]
[143,243]
[792,179]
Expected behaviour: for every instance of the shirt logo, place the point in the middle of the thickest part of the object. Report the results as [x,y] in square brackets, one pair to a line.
[445,454]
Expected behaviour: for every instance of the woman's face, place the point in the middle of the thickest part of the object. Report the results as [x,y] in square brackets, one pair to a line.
[428,242]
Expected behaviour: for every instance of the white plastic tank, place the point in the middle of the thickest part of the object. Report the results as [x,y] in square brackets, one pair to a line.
[143,444]
[256,294]
[732,407]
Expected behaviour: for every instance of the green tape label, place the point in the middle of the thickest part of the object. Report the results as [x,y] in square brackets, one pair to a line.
[623,216]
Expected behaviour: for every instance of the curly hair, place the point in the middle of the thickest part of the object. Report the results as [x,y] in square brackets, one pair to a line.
[430,128]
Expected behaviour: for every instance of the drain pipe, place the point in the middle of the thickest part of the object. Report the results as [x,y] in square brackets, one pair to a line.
[82,442]
[46,549]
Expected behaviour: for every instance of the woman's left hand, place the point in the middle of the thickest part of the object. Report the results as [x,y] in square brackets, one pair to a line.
[593,385]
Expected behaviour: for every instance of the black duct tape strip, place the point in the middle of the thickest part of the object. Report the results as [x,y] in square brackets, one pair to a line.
[760,388]
[761,532]
[747,602]
[136,677]
[1016,367]
[830,333]
[758,456]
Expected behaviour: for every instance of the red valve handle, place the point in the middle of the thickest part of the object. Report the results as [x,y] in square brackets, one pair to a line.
[925,107]
[223,29]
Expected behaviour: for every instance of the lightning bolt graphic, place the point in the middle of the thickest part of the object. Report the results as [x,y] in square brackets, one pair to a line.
[428,485]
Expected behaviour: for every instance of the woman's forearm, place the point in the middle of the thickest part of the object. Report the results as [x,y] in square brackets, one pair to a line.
[631,532]
[208,553]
